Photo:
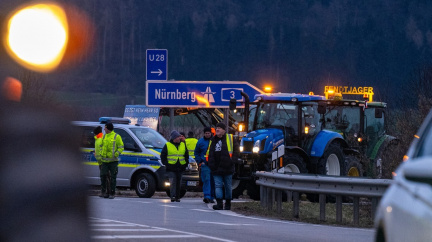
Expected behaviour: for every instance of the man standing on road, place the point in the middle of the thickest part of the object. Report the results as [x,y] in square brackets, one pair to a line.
[175,157]
[206,176]
[98,154]
[222,153]
[112,147]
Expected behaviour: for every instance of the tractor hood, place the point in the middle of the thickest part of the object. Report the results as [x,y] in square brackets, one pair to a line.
[269,140]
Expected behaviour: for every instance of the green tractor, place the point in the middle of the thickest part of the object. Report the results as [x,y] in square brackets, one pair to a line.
[363,126]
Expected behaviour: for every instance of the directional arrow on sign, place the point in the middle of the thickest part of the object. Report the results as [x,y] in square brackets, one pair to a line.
[157,64]
[159,72]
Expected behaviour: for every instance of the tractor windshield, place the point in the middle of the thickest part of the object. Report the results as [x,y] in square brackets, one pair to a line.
[374,126]
[285,116]
[276,114]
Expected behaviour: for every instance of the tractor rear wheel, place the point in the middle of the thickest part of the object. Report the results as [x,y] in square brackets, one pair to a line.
[353,166]
[332,163]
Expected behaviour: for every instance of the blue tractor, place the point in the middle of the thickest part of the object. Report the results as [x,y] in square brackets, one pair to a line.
[291,126]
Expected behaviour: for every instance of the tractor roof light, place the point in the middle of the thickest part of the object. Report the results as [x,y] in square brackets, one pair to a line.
[267,89]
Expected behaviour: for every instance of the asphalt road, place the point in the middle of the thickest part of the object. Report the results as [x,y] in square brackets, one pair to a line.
[158,219]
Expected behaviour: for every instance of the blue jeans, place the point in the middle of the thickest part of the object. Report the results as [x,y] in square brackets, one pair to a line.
[208,182]
[220,183]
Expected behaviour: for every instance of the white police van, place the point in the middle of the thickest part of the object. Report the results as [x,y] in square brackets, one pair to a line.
[140,167]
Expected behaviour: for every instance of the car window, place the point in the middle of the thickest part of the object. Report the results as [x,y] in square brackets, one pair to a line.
[128,141]
[149,138]
[425,144]
[87,137]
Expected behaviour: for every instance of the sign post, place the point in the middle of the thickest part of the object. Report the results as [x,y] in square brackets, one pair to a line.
[213,94]
[157,68]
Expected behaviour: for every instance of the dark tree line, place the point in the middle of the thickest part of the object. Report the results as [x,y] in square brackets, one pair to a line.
[298,46]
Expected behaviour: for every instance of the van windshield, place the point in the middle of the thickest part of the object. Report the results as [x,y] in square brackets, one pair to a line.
[149,137]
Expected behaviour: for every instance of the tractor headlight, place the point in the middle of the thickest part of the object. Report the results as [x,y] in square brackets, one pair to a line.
[241,148]
[256,147]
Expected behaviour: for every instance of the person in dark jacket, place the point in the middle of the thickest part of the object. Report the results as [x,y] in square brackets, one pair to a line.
[175,157]
[206,177]
[223,152]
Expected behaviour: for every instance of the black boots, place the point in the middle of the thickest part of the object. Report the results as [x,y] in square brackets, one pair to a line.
[228,204]
[219,204]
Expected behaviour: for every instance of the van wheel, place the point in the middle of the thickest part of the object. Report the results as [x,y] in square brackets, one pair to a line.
[145,185]
[182,193]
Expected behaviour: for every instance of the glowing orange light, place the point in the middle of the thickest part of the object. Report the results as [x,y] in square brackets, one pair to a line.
[12,89]
[405,158]
[359,139]
[394,174]
[416,136]
[201,99]
[311,93]
[37,36]
[267,89]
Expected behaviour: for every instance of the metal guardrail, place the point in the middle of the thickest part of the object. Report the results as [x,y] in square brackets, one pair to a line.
[273,184]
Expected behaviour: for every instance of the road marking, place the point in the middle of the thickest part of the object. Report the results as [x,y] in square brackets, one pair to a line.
[203,210]
[129,230]
[170,206]
[228,224]
[185,234]
[142,236]
[110,225]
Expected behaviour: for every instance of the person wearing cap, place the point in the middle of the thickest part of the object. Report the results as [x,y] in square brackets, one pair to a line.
[206,176]
[222,153]
[191,143]
[175,157]
[111,148]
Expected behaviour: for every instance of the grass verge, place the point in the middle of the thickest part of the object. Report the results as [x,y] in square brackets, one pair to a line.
[309,213]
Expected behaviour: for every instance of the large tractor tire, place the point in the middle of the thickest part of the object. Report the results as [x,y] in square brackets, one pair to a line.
[294,163]
[388,159]
[253,191]
[145,185]
[332,163]
[353,166]
[238,187]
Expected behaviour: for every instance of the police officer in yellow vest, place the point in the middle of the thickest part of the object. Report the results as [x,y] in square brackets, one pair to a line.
[112,147]
[175,157]
[191,143]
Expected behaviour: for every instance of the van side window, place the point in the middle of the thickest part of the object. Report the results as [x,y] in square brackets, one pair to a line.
[87,137]
[128,141]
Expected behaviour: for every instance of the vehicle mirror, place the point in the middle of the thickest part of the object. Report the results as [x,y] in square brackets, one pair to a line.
[232,104]
[378,113]
[418,171]
[322,108]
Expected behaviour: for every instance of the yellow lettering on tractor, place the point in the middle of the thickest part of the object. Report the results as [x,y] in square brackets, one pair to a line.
[365,91]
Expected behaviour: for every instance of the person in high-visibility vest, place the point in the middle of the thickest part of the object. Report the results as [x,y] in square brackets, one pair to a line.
[175,157]
[111,148]
[98,154]
[191,143]
[200,157]
[222,154]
